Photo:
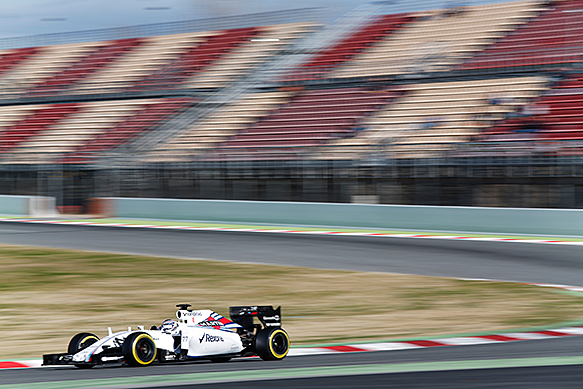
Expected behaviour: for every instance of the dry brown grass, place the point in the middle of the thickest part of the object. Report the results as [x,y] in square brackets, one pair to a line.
[46,296]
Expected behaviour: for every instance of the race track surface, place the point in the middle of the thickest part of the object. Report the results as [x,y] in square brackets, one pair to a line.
[522,262]
[554,363]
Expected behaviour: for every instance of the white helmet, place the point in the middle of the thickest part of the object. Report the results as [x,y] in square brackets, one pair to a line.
[169,326]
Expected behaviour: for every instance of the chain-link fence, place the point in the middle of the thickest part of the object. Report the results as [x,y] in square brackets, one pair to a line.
[543,181]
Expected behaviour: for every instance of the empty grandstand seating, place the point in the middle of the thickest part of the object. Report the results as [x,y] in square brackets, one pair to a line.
[117,72]
[147,117]
[42,64]
[438,40]
[311,118]
[248,54]
[335,114]
[146,65]
[207,59]
[36,121]
[433,117]
[478,105]
[66,129]
[198,58]
[10,115]
[101,56]
[223,56]
[552,38]
[367,36]
[555,116]
[91,120]
[219,126]
[12,58]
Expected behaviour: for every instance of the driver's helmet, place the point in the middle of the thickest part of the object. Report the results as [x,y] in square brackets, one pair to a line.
[169,326]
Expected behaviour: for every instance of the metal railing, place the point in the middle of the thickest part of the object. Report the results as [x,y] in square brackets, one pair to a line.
[386,153]
[145,30]
[225,22]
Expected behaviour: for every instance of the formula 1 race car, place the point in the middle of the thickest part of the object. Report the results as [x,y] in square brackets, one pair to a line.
[200,334]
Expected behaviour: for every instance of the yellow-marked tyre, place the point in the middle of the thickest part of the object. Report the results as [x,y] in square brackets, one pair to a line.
[139,349]
[81,341]
[272,344]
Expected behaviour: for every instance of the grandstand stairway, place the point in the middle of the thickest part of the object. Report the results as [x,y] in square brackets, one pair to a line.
[204,135]
[198,58]
[143,120]
[294,64]
[367,36]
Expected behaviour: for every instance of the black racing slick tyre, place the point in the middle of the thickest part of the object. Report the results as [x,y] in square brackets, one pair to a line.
[272,344]
[139,349]
[81,341]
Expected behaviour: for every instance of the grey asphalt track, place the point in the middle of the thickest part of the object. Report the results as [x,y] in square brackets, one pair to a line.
[563,347]
[560,264]
[523,262]
[529,377]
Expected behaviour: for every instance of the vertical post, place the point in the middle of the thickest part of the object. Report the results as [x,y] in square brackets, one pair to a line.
[39,180]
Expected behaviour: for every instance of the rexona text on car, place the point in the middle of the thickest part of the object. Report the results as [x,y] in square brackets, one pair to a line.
[193,334]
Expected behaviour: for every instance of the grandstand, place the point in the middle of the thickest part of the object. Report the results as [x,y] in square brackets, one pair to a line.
[456,105]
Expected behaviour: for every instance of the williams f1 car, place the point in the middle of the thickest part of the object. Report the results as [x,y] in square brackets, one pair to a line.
[202,334]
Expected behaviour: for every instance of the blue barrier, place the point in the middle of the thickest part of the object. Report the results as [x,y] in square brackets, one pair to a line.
[27,206]
[462,219]
[13,205]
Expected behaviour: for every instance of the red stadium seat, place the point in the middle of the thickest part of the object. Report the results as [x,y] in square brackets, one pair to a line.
[311,118]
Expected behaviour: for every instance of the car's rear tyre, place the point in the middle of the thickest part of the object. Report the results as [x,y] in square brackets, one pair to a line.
[272,344]
[139,349]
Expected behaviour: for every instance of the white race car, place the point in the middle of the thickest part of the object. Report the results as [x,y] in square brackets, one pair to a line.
[202,334]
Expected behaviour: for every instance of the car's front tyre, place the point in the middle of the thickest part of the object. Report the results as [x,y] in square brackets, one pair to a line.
[80,342]
[139,349]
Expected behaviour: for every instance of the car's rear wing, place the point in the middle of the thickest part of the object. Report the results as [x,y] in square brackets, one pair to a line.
[267,315]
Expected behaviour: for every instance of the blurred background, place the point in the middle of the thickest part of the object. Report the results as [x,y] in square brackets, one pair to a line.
[466,103]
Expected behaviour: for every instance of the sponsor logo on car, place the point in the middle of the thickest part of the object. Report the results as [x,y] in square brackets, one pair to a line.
[191,313]
[210,323]
[211,338]
[181,314]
